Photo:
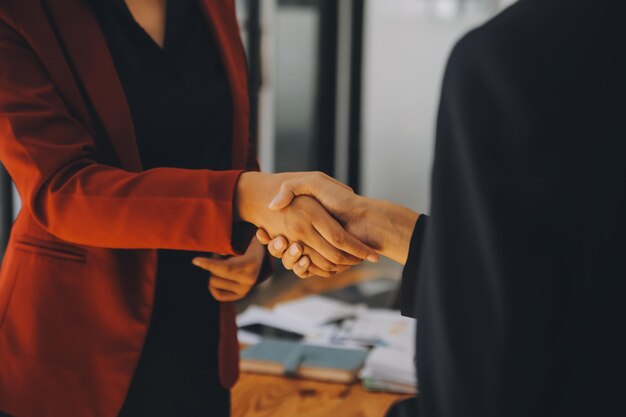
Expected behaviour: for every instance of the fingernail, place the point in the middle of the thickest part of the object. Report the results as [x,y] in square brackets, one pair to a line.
[294,250]
[302,262]
[278,245]
[373,258]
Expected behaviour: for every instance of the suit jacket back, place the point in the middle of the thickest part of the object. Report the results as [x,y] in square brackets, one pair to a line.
[521,291]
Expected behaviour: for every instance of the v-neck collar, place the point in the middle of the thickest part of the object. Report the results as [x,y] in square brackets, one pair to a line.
[86,45]
[174,14]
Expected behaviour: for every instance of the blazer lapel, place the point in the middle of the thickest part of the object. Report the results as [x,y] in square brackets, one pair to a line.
[223,22]
[85,43]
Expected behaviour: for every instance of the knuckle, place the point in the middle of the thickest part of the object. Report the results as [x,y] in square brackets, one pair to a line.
[336,258]
[230,268]
[298,228]
[337,237]
[249,268]
[323,265]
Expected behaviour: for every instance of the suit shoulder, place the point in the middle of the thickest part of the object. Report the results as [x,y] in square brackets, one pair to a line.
[532,31]
[516,26]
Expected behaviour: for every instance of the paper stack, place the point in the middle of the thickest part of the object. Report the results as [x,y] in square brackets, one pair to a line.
[323,324]
[377,327]
[316,310]
[390,369]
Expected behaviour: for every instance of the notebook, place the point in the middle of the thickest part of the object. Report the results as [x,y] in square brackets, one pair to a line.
[279,357]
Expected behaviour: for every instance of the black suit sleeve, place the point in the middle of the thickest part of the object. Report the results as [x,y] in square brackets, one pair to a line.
[408,289]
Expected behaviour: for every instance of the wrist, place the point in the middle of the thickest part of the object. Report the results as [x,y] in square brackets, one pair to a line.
[246,202]
[391,226]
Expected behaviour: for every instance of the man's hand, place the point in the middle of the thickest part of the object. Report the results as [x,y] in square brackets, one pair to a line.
[383,226]
[233,278]
[304,220]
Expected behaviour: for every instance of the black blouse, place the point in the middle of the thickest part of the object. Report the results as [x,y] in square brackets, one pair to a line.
[178,95]
[181,108]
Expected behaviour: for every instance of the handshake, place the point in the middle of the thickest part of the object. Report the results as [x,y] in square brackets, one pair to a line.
[314,223]
[319,226]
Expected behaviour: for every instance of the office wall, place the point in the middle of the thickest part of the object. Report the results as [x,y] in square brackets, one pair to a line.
[405,51]
[296,37]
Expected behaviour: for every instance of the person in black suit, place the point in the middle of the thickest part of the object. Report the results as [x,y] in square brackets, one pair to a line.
[519,271]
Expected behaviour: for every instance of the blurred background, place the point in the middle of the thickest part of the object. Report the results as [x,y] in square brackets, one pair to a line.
[348,87]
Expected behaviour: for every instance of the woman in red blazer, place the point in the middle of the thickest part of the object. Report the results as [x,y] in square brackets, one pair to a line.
[77,285]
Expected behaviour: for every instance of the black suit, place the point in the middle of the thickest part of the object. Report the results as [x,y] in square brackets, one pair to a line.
[520,269]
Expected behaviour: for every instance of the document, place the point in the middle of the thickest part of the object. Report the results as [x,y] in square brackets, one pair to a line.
[390,369]
[379,328]
[317,310]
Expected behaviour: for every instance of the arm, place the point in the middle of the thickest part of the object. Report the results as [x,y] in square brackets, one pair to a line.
[52,158]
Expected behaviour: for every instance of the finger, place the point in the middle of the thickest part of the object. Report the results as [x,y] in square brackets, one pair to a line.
[277,247]
[226,284]
[284,197]
[337,182]
[292,255]
[263,237]
[317,242]
[319,261]
[339,269]
[301,268]
[315,271]
[332,231]
[223,295]
[221,267]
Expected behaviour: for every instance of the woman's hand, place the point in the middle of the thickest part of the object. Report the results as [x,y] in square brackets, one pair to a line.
[304,220]
[304,261]
[233,278]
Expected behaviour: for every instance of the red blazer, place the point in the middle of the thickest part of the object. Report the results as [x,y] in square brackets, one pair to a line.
[77,281]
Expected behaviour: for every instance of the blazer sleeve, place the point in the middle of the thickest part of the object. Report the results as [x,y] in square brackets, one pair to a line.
[408,287]
[50,156]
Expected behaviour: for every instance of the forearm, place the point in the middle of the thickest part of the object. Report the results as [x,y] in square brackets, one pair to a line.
[168,208]
[389,227]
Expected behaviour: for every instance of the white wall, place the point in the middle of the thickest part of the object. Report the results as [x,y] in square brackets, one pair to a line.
[405,51]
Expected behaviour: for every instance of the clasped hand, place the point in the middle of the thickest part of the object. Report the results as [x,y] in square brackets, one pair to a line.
[315,224]
[306,236]
[321,244]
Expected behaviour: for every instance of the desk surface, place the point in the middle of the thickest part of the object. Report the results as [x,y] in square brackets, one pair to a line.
[263,395]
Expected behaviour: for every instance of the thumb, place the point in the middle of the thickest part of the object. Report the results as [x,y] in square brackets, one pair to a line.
[218,267]
[284,197]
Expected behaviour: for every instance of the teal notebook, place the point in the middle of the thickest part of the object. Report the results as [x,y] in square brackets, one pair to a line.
[279,357]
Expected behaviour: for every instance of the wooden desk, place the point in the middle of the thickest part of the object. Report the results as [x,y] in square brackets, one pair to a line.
[262,395]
